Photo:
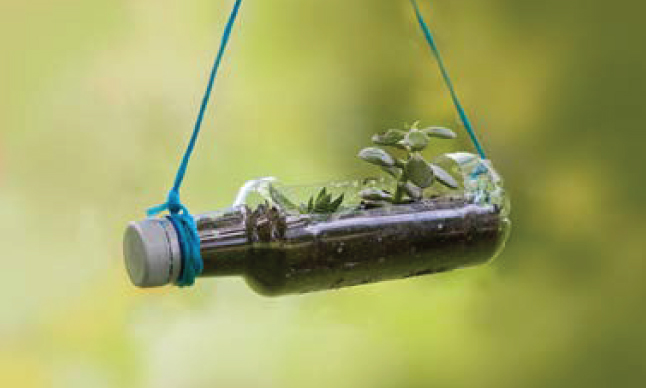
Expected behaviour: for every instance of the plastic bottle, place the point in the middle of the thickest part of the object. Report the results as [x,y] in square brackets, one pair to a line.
[267,238]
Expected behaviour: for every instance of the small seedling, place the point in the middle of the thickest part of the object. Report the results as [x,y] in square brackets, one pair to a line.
[413,173]
[322,204]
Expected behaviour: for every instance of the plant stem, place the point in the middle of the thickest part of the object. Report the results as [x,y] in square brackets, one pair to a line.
[401,182]
[399,192]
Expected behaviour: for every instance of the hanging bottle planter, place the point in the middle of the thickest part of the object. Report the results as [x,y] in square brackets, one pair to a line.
[419,218]
[416,218]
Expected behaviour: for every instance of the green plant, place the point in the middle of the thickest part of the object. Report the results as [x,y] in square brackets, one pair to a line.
[322,204]
[413,172]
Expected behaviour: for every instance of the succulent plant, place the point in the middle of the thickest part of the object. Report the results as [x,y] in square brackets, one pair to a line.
[413,173]
[322,203]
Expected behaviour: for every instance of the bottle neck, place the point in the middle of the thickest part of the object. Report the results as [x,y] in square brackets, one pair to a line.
[224,241]
[230,238]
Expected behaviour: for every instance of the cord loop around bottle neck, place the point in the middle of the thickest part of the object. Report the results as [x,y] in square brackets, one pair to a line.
[180,216]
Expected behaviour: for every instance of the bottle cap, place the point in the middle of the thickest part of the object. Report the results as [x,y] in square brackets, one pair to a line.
[152,253]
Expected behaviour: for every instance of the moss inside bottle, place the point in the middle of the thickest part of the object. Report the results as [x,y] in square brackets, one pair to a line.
[299,239]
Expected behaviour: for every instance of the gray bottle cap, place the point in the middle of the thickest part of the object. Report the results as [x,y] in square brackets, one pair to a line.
[152,253]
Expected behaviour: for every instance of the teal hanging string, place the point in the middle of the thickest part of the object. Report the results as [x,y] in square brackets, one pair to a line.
[447,79]
[180,217]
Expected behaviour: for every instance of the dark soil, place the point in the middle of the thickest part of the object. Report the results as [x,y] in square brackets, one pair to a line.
[286,254]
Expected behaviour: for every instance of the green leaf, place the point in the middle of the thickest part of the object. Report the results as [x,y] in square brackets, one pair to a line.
[377,156]
[389,138]
[323,203]
[327,199]
[419,172]
[439,132]
[334,206]
[321,195]
[444,177]
[392,171]
[278,197]
[320,209]
[414,192]
[415,140]
[375,195]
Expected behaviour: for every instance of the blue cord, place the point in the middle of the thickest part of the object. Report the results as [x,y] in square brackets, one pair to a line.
[180,217]
[447,79]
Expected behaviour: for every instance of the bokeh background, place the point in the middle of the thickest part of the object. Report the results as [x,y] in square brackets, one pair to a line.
[98,98]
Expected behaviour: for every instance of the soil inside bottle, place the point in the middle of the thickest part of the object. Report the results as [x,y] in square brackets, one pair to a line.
[286,253]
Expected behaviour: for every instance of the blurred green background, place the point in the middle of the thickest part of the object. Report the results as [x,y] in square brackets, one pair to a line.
[99,98]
